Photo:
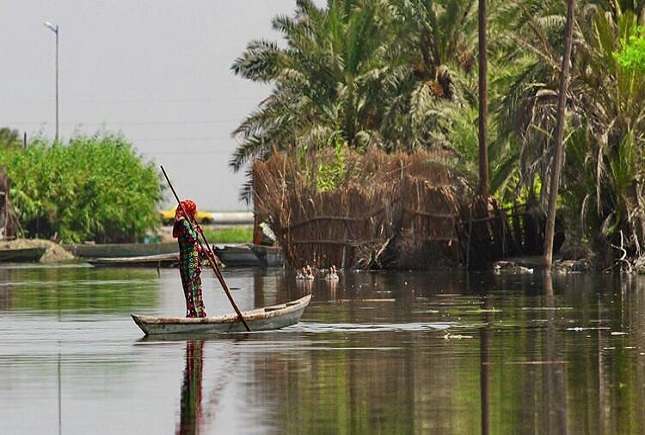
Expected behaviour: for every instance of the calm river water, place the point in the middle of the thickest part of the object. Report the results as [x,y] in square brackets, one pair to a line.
[376,353]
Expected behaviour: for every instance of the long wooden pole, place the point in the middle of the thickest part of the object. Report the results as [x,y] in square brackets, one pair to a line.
[210,255]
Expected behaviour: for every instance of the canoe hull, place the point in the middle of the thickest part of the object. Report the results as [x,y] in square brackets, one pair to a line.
[158,261]
[249,255]
[261,319]
[112,250]
[21,255]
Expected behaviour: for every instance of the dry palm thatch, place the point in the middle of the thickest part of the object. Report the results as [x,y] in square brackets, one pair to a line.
[366,211]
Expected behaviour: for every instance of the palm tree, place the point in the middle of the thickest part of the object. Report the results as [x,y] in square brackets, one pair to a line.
[526,110]
[326,80]
[605,129]
[611,135]
[433,59]
[359,73]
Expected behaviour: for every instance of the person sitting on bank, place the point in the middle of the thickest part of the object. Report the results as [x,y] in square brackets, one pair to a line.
[189,257]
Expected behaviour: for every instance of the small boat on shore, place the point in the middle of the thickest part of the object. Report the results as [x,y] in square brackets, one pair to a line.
[260,319]
[249,255]
[158,261]
[120,250]
[21,255]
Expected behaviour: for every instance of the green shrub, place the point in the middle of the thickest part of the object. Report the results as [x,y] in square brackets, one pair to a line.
[93,188]
[242,234]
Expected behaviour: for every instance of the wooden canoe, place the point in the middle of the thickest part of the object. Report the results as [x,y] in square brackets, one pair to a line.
[22,255]
[157,261]
[249,255]
[120,250]
[260,319]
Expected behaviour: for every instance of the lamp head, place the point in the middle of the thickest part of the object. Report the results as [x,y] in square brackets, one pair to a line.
[51,26]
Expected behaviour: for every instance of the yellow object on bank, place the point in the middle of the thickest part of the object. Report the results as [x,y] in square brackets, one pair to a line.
[203,217]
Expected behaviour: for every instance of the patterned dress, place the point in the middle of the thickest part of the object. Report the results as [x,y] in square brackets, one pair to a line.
[189,268]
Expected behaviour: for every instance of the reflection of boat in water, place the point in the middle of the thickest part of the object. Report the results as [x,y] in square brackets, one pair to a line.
[260,319]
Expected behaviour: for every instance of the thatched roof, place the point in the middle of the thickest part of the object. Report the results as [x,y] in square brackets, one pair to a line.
[370,210]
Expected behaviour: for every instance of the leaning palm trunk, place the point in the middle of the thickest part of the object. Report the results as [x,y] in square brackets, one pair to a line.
[559,137]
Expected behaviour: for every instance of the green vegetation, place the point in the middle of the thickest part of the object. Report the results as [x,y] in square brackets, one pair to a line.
[93,188]
[632,52]
[402,76]
[242,234]
[9,138]
[399,76]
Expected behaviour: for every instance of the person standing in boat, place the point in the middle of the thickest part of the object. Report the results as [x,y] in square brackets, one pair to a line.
[189,257]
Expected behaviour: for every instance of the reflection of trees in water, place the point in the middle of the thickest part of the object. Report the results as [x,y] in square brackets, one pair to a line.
[485,338]
[5,290]
[530,372]
[554,382]
[533,368]
[604,392]
[83,288]
[356,388]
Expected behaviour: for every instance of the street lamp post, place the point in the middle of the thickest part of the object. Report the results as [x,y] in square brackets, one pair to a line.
[54,28]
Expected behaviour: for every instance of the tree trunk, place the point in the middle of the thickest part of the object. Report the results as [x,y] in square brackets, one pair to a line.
[483,101]
[559,135]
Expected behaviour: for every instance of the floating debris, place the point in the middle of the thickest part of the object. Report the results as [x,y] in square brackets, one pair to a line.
[450,336]
[579,328]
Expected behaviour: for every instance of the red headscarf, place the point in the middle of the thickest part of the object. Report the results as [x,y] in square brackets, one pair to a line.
[189,206]
[191,209]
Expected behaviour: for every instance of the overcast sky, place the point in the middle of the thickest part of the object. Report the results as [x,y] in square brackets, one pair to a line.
[157,71]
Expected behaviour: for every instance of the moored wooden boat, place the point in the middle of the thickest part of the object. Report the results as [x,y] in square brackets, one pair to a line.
[157,261]
[269,256]
[249,255]
[237,255]
[260,319]
[22,255]
[113,250]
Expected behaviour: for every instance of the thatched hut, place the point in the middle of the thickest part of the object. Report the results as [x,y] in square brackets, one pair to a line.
[365,211]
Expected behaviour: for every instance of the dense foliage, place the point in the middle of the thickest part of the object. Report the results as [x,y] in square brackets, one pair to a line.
[604,172]
[632,52]
[9,138]
[93,188]
[400,75]
[393,75]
